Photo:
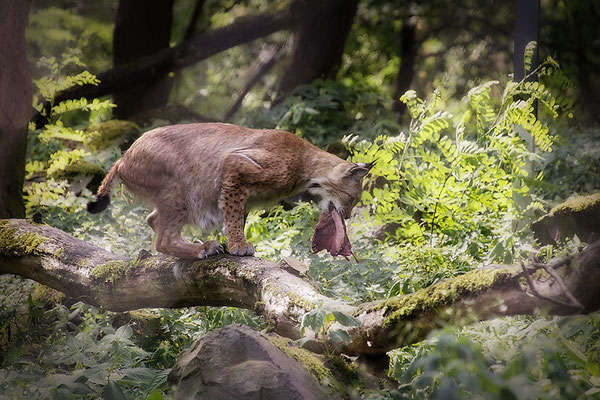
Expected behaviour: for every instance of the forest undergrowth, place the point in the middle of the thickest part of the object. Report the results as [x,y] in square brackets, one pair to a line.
[453,190]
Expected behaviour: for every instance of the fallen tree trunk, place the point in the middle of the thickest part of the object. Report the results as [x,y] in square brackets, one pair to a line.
[87,273]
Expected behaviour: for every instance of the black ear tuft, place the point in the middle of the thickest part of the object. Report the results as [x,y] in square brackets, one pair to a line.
[94,207]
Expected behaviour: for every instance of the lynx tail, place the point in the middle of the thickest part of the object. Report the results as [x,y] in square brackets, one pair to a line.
[103,195]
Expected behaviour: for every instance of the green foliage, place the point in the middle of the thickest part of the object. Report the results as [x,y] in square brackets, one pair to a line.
[518,358]
[83,26]
[328,323]
[440,185]
[444,197]
[50,350]
[324,110]
[574,167]
[58,150]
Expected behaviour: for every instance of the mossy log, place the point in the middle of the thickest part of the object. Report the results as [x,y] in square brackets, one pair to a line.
[579,215]
[569,285]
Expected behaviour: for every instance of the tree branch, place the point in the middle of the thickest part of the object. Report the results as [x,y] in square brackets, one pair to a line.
[278,292]
[266,60]
[188,52]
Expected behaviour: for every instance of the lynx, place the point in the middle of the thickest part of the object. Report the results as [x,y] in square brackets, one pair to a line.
[207,174]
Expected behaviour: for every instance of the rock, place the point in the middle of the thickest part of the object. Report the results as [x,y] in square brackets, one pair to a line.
[239,363]
[577,216]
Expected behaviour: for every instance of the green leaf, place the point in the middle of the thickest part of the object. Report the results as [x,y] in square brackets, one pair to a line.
[339,336]
[155,395]
[112,391]
[346,319]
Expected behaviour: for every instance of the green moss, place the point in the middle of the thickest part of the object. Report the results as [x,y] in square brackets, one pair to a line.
[301,302]
[83,263]
[15,244]
[576,204]
[111,271]
[212,264]
[443,293]
[309,360]
[345,372]
[107,133]
[44,294]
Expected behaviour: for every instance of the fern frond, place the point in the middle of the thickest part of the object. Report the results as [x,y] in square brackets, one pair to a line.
[63,158]
[59,131]
[81,104]
[481,103]
[432,126]
[33,167]
[528,56]
[82,78]
[522,113]
[413,103]
[46,86]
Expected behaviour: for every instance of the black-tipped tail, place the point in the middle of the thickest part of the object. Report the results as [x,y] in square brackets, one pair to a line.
[94,207]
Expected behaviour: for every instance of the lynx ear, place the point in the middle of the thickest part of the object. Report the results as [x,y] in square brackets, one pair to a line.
[359,170]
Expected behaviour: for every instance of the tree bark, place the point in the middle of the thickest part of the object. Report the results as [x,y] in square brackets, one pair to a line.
[569,285]
[142,28]
[189,52]
[319,42]
[408,56]
[15,105]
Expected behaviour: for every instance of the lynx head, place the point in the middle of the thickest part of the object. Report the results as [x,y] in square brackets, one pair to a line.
[340,187]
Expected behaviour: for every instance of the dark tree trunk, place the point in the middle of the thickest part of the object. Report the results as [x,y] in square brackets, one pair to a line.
[408,55]
[319,42]
[142,28]
[527,21]
[15,105]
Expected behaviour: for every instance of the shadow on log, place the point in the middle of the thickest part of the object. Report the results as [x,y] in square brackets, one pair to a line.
[569,285]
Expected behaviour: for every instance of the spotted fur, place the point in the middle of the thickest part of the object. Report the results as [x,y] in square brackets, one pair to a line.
[213,173]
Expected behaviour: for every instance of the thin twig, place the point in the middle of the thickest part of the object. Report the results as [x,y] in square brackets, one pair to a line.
[541,296]
[560,283]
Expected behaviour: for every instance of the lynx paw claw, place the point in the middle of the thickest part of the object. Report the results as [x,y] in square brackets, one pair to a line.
[243,249]
[209,249]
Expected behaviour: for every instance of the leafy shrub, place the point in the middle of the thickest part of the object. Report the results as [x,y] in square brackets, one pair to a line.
[322,111]
[57,153]
[463,179]
[517,358]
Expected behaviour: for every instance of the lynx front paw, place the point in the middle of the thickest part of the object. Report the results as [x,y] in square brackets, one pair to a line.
[210,248]
[241,249]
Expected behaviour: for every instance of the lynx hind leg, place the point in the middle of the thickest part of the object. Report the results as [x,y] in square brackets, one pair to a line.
[170,242]
[234,219]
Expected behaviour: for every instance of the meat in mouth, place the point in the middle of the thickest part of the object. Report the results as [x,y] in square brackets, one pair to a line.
[330,234]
